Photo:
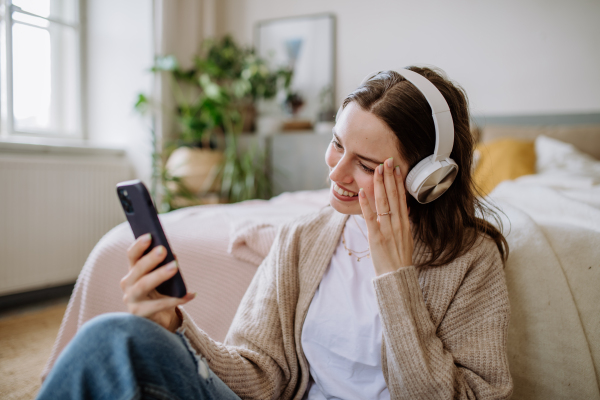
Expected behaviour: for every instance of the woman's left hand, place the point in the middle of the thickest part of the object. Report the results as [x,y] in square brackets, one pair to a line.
[390,237]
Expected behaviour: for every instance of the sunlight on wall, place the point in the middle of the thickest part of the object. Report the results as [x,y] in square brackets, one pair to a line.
[39,7]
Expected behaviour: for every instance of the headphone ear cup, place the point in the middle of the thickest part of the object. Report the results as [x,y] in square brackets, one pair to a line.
[412,174]
[428,180]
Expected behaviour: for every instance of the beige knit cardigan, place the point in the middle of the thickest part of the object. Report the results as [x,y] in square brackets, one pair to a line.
[444,328]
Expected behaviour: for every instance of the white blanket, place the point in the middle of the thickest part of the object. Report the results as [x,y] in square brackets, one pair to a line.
[552,224]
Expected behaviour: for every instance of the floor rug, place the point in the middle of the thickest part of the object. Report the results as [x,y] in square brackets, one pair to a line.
[25,344]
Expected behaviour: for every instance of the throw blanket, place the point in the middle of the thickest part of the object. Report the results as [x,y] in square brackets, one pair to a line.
[553,274]
[552,224]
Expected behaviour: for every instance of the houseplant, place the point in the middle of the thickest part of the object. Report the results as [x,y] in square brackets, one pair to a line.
[214,103]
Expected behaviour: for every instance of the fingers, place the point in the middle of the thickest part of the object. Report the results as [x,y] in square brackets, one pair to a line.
[368,213]
[144,265]
[381,201]
[391,189]
[147,283]
[136,250]
[150,307]
[404,221]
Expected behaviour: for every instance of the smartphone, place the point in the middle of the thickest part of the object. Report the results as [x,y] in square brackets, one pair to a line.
[141,214]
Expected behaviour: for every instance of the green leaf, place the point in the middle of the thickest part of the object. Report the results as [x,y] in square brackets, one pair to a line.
[165,63]
[142,104]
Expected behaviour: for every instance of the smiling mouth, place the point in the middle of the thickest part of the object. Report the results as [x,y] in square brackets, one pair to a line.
[343,192]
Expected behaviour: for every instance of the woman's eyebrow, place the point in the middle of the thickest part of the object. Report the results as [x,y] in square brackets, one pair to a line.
[358,155]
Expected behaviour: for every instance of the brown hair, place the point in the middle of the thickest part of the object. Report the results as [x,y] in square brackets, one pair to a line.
[450,225]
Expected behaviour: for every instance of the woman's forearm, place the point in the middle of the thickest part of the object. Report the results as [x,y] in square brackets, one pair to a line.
[250,373]
[467,361]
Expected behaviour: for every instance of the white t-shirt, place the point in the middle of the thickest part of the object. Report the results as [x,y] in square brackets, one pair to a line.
[341,336]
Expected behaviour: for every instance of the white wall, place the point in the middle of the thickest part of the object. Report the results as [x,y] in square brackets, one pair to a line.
[120,51]
[512,57]
[119,54]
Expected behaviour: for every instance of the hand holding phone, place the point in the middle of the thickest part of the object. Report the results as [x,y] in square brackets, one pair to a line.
[140,283]
[153,287]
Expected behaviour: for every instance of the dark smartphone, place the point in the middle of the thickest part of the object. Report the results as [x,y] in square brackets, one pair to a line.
[141,214]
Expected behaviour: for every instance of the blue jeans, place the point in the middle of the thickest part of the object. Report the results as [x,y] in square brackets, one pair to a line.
[119,356]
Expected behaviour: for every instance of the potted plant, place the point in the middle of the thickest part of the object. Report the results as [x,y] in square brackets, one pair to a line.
[215,102]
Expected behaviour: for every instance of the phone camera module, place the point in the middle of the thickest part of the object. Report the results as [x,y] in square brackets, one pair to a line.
[126,201]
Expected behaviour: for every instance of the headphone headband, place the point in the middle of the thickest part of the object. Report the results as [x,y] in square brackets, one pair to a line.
[442,118]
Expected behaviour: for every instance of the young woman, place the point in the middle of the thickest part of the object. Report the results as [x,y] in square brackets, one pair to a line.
[377,296]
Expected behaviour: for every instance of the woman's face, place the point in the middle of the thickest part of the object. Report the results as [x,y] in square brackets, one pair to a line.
[361,141]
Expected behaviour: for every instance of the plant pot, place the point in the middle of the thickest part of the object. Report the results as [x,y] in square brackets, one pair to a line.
[249,112]
[195,167]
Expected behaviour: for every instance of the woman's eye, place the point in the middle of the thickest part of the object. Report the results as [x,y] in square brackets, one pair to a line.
[336,144]
[367,169]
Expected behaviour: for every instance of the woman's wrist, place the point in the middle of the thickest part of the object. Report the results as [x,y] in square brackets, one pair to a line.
[176,320]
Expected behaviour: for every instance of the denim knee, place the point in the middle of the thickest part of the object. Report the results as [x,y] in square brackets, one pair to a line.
[116,321]
[119,328]
[123,356]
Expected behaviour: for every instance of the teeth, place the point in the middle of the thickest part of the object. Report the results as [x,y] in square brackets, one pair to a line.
[343,192]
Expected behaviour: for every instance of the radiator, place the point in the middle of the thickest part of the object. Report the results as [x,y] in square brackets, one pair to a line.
[53,210]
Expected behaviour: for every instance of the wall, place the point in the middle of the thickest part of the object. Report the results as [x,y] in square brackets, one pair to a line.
[512,57]
[119,52]
[122,38]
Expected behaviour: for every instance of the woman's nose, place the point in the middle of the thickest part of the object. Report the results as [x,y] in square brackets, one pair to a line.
[340,171]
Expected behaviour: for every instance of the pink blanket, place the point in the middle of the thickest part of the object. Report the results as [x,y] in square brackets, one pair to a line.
[218,248]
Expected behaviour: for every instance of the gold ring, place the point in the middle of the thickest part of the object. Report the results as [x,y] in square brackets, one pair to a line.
[387,213]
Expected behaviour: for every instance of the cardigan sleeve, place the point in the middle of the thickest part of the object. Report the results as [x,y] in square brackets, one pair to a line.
[465,356]
[254,361]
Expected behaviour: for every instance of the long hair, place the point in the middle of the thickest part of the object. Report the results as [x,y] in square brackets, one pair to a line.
[451,224]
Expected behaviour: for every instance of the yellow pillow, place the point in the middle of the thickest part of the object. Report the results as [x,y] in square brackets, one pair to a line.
[501,160]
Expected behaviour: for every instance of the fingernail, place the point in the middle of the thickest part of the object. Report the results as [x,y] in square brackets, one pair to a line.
[147,237]
[172,265]
[361,193]
[189,296]
[397,170]
[380,168]
[159,250]
[390,162]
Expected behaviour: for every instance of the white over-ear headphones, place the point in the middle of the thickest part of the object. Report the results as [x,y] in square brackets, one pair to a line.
[432,176]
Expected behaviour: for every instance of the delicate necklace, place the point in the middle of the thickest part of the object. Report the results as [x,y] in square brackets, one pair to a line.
[360,229]
[359,254]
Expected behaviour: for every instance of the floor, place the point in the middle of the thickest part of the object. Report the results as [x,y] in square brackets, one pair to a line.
[32,307]
[26,337]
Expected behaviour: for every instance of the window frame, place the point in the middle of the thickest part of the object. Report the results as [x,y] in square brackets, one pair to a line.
[7,117]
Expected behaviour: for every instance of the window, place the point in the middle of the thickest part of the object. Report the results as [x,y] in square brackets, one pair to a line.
[40,68]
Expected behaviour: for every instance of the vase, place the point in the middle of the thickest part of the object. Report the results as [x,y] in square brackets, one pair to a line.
[195,167]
